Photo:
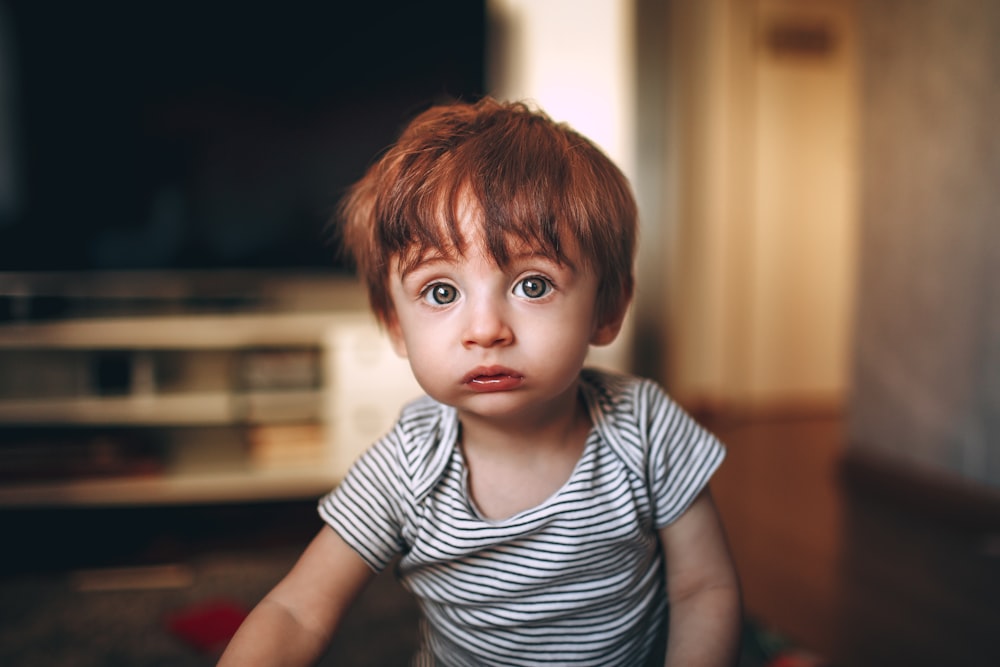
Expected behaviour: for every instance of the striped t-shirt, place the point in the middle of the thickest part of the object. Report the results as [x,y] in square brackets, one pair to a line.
[577,580]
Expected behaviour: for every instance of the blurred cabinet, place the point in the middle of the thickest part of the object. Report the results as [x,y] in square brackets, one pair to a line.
[191,408]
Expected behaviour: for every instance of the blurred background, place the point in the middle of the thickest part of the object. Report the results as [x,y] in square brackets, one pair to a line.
[187,364]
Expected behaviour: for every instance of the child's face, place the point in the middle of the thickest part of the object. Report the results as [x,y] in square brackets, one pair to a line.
[497,341]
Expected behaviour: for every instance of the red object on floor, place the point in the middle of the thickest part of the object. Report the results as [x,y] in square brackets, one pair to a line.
[207,626]
[794,659]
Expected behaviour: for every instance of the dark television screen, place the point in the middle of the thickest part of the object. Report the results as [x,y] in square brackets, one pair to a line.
[202,135]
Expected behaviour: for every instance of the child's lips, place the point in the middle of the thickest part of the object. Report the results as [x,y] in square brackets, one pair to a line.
[493,378]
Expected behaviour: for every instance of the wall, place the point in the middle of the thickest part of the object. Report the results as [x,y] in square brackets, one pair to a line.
[804,201]
[927,367]
[758,221]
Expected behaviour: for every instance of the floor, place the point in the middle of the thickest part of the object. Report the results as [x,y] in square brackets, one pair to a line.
[779,496]
[860,564]
[828,568]
[151,587]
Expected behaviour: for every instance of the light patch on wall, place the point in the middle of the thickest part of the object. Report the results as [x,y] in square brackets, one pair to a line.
[573,59]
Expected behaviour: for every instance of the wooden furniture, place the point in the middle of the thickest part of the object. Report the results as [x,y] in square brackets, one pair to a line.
[192,408]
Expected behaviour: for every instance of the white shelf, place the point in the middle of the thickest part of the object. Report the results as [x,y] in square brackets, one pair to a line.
[172,489]
[195,409]
[351,407]
[182,409]
[188,332]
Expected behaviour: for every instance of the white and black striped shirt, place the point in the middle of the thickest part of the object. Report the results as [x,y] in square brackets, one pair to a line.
[577,580]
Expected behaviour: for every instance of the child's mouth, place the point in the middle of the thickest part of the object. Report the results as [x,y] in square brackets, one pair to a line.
[493,379]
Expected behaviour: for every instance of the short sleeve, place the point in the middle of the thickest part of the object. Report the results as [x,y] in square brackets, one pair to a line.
[365,508]
[682,455]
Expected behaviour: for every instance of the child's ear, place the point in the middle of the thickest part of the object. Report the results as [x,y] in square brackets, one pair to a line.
[609,326]
[395,332]
[608,330]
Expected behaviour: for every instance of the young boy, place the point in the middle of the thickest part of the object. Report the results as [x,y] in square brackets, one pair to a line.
[544,513]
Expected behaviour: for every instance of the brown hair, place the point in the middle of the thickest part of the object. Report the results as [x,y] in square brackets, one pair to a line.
[535,181]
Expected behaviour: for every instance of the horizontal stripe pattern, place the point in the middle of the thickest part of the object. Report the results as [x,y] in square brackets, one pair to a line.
[577,580]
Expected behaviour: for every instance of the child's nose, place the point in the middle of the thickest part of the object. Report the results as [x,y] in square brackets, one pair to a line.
[487,325]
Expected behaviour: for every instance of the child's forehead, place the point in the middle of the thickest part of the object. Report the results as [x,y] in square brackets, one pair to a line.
[474,242]
[459,226]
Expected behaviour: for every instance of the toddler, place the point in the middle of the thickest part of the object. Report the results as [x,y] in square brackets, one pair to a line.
[542,512]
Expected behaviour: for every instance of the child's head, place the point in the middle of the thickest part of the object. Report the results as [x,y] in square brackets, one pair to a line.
[534,181]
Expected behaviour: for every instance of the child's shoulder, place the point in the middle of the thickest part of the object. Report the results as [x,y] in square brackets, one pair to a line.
[629,403]
[423,418]
[622,402]
[615,390]
[421,441]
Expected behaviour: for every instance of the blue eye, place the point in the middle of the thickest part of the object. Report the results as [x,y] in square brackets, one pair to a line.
[533,287]
[440,294]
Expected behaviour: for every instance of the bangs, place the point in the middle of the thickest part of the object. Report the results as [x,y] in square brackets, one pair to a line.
[513,208]
[526,181]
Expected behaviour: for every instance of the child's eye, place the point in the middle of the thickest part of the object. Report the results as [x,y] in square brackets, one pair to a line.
[533,287]
[440,294]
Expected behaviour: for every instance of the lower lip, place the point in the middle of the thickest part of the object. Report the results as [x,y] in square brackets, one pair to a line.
[489,383]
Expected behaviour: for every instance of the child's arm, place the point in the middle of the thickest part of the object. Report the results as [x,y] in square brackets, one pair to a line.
[703,588]
[294,623]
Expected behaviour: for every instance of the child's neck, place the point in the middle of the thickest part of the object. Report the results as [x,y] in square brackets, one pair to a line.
[514,467]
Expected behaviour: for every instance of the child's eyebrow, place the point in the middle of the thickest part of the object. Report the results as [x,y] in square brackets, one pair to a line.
[434,256]
[534,255]
[427,258]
